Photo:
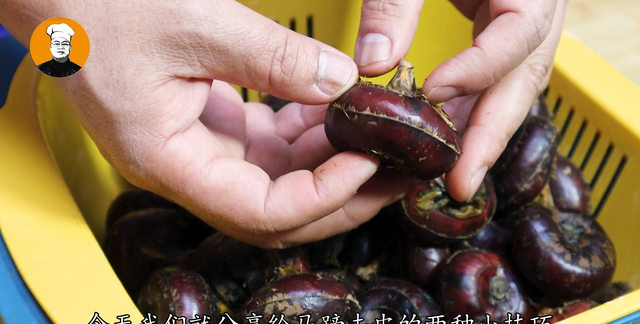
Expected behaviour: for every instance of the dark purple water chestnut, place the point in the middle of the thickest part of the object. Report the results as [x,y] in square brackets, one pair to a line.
[369,250]
[544,198]
[423,262]
[146,240]
[344,274]
[235,269]
[136,199]
[177,292]
[358,251]
[395,123]
[526,164]
[364,245]
[495,237]
[375,249]
[315,294]
[479,282]
[230,297]
[569,189]
[396,299]
[565,255]
[221,256]
[386,264]
[286,262]
[327,252]
[429,214]
[540,107]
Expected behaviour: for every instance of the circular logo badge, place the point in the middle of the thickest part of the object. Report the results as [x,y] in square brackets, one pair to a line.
[59,47]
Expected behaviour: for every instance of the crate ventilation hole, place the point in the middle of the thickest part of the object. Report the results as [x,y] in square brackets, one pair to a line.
[587,159]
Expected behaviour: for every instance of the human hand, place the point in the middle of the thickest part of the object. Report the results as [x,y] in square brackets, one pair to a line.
[147,99]
[488,88]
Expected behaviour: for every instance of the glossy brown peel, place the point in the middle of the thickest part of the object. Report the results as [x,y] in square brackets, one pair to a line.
[479,282]
[569,189]
[565,255]
[423,263]
[179,292]
[541,108]
[520,178]
[396,123]
[389,105]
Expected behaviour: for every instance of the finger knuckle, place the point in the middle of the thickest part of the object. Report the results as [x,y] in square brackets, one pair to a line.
[483,77]
[383,8]
[541,25]
[283,60]
[265,223]
[537,67]
[502,140]
[261,228]
[355,217]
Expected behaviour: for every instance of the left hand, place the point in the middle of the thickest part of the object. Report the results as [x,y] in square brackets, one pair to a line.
[489,87]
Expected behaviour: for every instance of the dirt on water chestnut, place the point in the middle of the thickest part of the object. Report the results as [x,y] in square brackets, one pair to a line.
[369,251]
[344,274]
[285,262]
[396,123]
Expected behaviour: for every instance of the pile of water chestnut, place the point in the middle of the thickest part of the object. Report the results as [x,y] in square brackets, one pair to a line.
[524,246]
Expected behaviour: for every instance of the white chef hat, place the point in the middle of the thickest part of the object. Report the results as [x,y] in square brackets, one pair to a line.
[60,30]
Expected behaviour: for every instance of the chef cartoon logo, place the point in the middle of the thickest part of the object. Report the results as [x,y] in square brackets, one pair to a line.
[59,47]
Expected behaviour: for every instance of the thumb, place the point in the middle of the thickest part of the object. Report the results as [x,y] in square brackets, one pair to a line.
[387,28]
[251,50]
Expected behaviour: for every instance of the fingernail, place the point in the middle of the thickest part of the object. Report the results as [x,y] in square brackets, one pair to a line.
[372,48]
[335,72]
[441,94]
[370,167]
[477,180]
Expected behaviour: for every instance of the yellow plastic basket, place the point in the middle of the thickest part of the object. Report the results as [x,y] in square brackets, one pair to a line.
[55,187]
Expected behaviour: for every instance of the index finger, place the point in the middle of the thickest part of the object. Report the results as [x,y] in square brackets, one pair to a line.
[235,196]
[516,30]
